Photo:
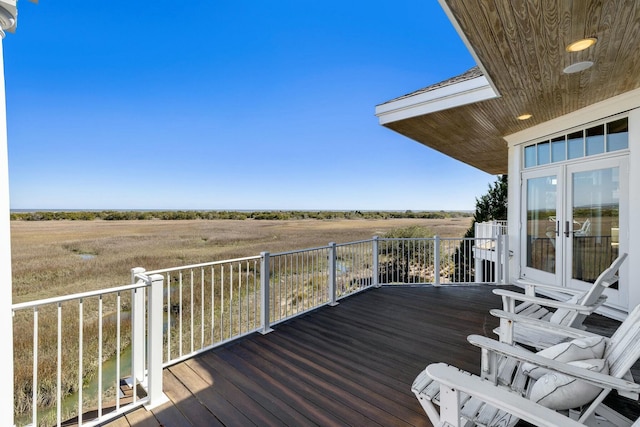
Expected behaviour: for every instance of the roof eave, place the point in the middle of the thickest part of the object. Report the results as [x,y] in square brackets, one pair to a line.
[451,96]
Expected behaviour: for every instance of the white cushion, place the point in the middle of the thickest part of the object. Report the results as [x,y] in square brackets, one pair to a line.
[577,349]
[559,392]
[561,315]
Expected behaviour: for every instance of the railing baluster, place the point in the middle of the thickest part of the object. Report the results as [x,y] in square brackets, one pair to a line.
[230,300]
[100,356]
[222,307]
[117,351]
[191,302]
[80,356]
[239,296]
[59,370]
[180,303]
[34,386]
[201,307]
[169,313]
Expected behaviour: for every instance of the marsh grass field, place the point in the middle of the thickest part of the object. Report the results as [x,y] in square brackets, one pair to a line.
[55,258]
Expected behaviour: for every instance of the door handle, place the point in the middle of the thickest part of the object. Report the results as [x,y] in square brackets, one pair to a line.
[566,229]
[557,228]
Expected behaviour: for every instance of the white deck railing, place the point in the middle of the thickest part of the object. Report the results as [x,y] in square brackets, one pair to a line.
[74,332]
[490,229]
[169,315]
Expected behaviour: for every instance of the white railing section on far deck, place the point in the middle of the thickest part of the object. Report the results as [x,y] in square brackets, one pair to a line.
[490,229]
[491,251]
[434,260]
[300,281]
[81,336]
[208,304]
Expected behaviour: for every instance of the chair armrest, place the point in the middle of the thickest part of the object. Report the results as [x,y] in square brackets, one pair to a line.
[500,398]
[555,288]
[505,294]
[595,378]
[542,325]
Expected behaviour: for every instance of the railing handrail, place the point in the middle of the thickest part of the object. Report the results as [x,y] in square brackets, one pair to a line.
[297,251]
[353,243]
[437,237]
[203,264]
[80,295]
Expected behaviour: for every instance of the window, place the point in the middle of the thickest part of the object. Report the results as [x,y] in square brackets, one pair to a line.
[606,137]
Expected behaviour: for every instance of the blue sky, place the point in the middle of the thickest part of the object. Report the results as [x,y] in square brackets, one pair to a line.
[227,105]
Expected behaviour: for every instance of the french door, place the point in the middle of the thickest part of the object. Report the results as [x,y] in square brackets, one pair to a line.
[573,218]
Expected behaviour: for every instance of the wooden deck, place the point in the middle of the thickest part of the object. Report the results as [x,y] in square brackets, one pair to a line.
[352,364]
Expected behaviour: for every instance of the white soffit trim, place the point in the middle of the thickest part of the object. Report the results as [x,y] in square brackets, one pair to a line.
[615,105]
[444,98]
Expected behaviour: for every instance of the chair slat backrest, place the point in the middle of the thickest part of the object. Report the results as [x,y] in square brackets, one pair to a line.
[604,280]
[591,297]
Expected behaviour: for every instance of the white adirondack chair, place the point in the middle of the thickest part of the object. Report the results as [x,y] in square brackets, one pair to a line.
[464,399]
[570,312]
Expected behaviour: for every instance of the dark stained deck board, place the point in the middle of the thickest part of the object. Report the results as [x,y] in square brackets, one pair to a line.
[352,364]
[245,381]
[169,414]
[194,411]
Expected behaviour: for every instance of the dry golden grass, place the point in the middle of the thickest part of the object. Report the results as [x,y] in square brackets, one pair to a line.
[46,258]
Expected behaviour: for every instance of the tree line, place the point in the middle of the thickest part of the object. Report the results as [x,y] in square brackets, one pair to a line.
[113,215]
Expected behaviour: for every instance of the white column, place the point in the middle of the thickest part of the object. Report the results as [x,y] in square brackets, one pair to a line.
[6,297]
[631,268]
[8,14]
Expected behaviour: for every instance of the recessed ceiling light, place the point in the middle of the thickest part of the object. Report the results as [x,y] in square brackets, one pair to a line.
[577,67]
[582,44]
[525,117]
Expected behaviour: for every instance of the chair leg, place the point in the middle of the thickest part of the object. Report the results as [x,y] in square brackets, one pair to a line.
[430,409]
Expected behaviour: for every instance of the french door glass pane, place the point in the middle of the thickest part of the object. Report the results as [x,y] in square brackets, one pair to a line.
[541,223]
[596,225]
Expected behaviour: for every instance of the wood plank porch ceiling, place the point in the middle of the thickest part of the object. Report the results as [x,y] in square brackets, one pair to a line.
[521,48]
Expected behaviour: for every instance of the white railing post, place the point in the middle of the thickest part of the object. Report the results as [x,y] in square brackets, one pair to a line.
[332,275]
[375,263]
[436,261]
[505,252]
[154,344]
[264,293]
[479,268]
[497,265]
[138,315]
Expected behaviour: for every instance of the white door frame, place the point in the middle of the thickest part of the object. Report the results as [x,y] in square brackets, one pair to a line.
[563,173]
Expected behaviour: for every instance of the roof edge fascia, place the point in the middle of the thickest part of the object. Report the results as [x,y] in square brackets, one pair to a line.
[614,105]
[444,98]
[465,40]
